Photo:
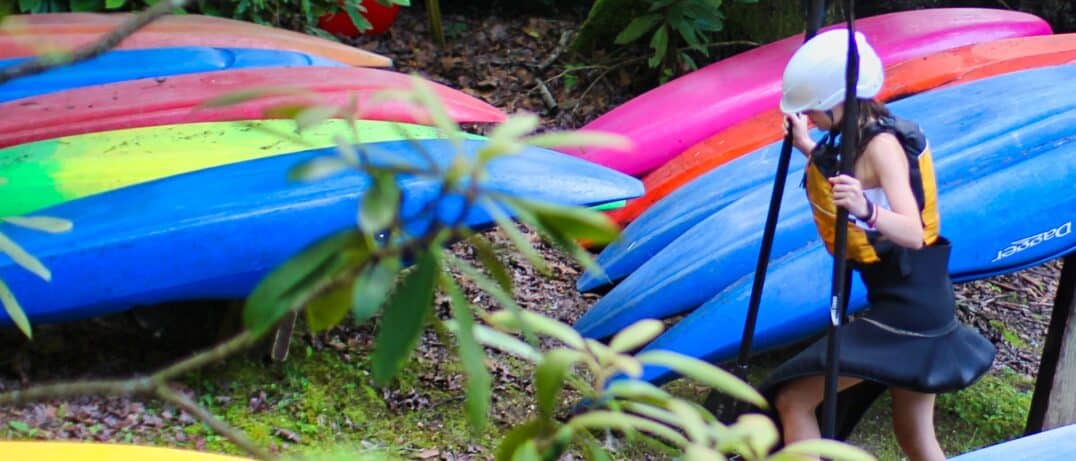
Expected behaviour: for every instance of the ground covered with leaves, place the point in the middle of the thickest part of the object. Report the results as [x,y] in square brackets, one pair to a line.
[323,394]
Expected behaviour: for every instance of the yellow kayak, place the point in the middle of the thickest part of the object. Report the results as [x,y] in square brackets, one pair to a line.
[92,451]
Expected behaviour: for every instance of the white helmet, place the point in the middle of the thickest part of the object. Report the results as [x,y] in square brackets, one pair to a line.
[815,76]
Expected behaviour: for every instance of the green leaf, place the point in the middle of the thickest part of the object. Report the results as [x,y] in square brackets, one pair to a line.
[829,449]
[405,317]
[424,93]
[652,412]
[354,11]
[660,44]
[549,378]
[488,257]
[691,37]
[625,422]
[637,28]
[41,223]
[580,138]
[371,288]
[506,136]
[380,203]
[329,309]
[27,6]
[758,433]
[541,324]
[241,96]
[22,258]
[636,334]
[114,4]
[595,452]
[689,420]
[687,59]
[314,115]
[628,365]
[86,5]
[471,356]
[572,222]
[274,294]
[506,343]
[516,438]
[308,10]
[637,390]
[317,168]
[696,452]
[19,426]
[11,306]
[506,225]
[527,452]
[706,374]
[491,287]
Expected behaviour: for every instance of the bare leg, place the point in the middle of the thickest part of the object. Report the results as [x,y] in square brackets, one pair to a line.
[913,423]
[796,403]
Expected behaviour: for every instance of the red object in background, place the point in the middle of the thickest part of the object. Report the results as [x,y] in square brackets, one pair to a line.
[380,16]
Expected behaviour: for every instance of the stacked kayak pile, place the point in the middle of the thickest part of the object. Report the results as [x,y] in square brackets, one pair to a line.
[174,200]
[989,89]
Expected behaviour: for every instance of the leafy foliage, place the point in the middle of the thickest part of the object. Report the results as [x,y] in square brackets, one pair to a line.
[671,24]
[605,375]
[266,12]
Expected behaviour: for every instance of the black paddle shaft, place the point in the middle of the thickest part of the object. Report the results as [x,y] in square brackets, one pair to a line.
[816,12]
[838,308]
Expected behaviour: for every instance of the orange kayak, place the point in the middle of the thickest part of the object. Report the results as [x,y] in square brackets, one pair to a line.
[26,35]
[951,67]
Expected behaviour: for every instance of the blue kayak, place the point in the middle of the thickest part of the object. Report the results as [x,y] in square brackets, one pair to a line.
[215,233]
[1005,208]
[1057,444]
[965,124]
[670,217]
[123,65]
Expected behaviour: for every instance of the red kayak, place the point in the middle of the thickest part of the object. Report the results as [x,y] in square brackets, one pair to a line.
[173,100]
[959,65]
[26,35]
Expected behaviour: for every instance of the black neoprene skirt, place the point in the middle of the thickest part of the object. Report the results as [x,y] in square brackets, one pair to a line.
[909,338]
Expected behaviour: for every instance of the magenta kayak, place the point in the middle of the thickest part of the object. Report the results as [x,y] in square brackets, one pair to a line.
[672,117]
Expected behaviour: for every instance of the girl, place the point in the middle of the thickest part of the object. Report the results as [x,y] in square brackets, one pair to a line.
[909,341]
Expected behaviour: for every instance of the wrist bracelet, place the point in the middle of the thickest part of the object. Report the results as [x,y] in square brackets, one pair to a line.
[870,210]
[875,212]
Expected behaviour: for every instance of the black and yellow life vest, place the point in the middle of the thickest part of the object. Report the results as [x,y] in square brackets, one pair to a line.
[865,246]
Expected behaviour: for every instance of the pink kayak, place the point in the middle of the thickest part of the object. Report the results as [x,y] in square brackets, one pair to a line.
[25,35]
[173,100]
[670,118]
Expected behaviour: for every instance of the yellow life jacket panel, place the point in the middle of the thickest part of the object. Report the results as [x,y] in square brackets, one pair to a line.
[865,245]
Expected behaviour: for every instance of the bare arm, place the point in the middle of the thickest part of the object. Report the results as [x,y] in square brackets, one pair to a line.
[902,223]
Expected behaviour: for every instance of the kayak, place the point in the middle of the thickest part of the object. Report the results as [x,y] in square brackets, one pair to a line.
[121,65]
[44,173]
[1057,444]
[966,125]
[27,35]
[94,451]
[952,67]
[702,196]
[175,100]
[214,233]
[734,89]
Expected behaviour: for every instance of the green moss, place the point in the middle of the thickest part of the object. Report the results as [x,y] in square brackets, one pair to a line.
[1008,334]
[323,401]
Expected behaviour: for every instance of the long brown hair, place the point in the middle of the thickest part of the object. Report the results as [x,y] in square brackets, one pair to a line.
[871,109]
